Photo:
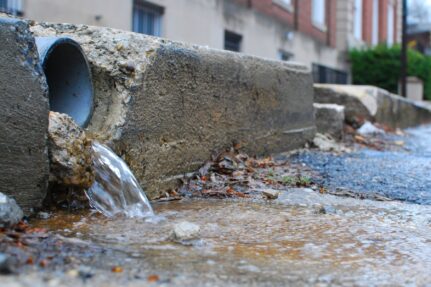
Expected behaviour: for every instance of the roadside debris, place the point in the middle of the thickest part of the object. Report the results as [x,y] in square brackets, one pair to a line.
[185,231]
[4,264]
[368,128]
[10,212]
[326,143]
[28,247]
[271,194]
[232,174]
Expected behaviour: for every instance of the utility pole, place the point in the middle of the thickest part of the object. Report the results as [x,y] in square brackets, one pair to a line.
[404,51]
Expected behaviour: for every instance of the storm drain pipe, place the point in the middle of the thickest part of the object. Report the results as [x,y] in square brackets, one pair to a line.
[68,76]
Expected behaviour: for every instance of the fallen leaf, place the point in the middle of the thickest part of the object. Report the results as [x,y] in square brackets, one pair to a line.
[43,263]
[360,139]
[117,269]
[153,278]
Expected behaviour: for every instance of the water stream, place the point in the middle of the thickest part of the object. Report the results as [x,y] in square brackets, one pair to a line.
[302,238]
[115,190]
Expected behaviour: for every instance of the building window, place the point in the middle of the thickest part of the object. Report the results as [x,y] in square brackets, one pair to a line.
[13,7]
[286,4]
[375,32]
[319,13]
[391,22]
[232,41]
[284,55]
[357,29]
[326,75]
[147,18]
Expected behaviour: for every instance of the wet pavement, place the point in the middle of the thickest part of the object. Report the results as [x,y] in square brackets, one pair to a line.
[302,238]
[403,174]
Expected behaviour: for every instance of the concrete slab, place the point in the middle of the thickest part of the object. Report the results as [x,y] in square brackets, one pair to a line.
[165,107]
[23,117]
[373,104]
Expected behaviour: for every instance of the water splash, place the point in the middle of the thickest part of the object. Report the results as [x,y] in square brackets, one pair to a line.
[115,190]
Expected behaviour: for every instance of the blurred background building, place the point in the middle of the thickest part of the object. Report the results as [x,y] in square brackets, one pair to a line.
[317,33]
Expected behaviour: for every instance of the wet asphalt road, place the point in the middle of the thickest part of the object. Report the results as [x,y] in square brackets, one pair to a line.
[402,175]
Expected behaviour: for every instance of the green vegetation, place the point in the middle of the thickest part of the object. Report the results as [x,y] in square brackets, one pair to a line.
[298,180]
[288,180]
[381,66]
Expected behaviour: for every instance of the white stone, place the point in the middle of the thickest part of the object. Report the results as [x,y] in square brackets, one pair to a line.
[186,231]
[368,128]
[271,194]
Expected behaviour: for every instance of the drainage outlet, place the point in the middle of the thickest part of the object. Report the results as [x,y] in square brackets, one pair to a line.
[68,76]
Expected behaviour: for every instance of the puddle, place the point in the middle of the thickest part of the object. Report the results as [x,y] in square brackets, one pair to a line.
[356,242]
[302,238]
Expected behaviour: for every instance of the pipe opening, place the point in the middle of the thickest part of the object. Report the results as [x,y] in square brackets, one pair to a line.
[68,76]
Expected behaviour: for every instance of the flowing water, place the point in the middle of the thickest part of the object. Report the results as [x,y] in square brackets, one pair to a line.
[303,238]
[115,189]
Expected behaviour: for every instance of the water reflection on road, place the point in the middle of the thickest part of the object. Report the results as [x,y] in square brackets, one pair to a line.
[333,241]
[301,238]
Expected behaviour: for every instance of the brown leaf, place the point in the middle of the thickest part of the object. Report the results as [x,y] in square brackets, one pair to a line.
[153,278]
[29,261]
[43,263]
[117,269]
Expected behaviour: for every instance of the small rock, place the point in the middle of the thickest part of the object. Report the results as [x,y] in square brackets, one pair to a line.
[43,215]
[271,194]
[4,264]
[186,231]
[10,212]
[368,128]
[85,272]
[127,67]
[72,273]
[327,209]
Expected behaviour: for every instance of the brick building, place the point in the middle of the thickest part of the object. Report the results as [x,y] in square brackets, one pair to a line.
[317,33]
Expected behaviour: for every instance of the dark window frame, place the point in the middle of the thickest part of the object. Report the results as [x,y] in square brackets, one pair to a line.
[232,41]
[9,10]
[147,18]
[325,75]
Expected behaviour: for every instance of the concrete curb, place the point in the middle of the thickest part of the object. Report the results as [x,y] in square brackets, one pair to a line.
[330,119]
[165,107]
[373,104]
[23,118]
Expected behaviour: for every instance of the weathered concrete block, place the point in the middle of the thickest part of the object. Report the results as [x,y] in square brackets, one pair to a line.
[329,119]
[23,116]
[69,153]
[373,104]
[166,107]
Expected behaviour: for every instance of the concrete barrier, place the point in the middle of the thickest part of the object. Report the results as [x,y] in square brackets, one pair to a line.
[330,119]
[23,117]
[373,104]
[165,107]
